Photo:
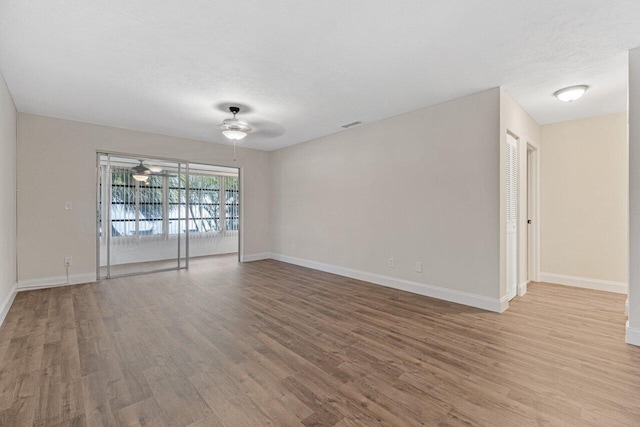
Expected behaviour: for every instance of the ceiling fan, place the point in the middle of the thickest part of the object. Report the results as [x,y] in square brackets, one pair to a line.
[259,127]
[141,173]
[236,130]
[233,128]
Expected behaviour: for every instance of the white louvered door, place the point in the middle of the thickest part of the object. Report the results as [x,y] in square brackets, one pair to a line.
[512,215]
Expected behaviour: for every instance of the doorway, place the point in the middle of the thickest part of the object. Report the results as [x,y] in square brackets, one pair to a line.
[522,214]
[533,215]
[512,216]
[155,214]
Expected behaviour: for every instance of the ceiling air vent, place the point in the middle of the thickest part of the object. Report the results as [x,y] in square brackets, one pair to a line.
[350,125]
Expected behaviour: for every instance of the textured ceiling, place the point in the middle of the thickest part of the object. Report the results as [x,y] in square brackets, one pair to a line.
[305,68]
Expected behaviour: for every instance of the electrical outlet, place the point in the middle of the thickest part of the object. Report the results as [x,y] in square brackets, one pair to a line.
[392,263]
[418,267]
[68,261]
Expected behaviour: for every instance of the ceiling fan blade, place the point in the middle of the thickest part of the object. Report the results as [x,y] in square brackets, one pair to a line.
[266,129]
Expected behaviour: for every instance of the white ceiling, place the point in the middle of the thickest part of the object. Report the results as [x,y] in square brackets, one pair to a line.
[304,68]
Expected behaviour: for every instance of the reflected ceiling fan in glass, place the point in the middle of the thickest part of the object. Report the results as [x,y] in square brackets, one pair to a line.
[140,173]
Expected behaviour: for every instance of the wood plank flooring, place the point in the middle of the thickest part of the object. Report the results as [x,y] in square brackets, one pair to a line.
[267,343]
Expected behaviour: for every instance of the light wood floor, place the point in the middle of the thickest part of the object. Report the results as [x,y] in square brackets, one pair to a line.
[266,343]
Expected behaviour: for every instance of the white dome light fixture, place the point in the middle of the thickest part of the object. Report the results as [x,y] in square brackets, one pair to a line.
[233,128]
[571,93]
[236,135]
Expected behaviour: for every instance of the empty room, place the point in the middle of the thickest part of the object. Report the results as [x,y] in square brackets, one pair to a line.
[243,213]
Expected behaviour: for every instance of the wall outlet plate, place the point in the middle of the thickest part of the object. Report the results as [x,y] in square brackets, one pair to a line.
[392,263]
[68,260]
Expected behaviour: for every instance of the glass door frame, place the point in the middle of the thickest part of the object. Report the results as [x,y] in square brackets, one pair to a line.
[180,163]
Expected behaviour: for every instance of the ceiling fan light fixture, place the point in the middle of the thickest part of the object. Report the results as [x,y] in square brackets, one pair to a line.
[571,93]
[233,128]
[234,135]
[140,177]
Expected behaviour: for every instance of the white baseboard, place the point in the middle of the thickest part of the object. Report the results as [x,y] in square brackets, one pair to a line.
[6,304]
[52,282]
[584,282]
[522,288]
[633,335]
[504,304]
[256,257]
[451,295]
[626,307]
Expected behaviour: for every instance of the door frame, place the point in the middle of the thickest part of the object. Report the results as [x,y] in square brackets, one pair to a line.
[169,159]
[532,163]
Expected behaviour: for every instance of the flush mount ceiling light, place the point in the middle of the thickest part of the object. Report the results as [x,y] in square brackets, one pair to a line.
[233,128]
[140,172]
[572,93]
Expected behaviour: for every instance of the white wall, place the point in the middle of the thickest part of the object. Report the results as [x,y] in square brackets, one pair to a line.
[7,198]
[57,162]
[584,201]
[515,120]
[633,327]
[423,186]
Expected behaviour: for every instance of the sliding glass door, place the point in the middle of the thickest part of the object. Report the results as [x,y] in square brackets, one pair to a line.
[152,214]
[142,215]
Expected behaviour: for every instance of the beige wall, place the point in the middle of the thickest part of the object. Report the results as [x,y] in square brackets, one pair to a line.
[519,123]
[56,163]
[633,328]
[426,186]
[7,197]
[584,196]
[423,186]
